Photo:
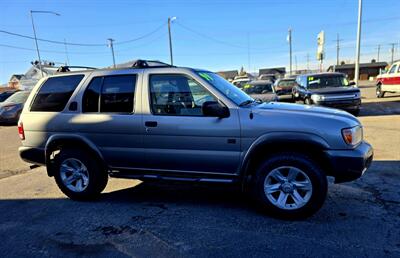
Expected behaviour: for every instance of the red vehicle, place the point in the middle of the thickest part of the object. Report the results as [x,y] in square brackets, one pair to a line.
[389,81]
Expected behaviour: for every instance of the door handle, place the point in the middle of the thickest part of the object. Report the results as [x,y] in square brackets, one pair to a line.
[150,124]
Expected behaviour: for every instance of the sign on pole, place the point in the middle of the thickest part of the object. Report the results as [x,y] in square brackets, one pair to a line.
[320,49]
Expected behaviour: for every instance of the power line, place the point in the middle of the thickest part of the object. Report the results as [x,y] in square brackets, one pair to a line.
[217,40]
[83,44]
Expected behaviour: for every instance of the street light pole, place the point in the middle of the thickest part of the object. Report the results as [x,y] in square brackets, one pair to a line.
[111,45]
[34,33]
[170,19]
[357,65]
[290,51]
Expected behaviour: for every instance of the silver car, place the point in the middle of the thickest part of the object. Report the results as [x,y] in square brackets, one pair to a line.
[153,121]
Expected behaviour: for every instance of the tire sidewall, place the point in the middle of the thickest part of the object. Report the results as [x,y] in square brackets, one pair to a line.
[317,177]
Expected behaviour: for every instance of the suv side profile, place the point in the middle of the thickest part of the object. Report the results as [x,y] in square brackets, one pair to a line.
[170,123]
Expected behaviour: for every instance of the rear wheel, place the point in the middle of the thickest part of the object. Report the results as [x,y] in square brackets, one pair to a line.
[379,92]
[79,175]
[290,186]
[307,101]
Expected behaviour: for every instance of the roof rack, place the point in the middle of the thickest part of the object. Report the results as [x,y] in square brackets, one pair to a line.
[149,64]
[67,68]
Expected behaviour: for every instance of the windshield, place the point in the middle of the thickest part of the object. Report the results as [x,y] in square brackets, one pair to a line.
[257,88]
[316,82]
[18,97]
[229,90]
[287,83]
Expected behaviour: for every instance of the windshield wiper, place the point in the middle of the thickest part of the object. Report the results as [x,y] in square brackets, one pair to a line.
[246,102]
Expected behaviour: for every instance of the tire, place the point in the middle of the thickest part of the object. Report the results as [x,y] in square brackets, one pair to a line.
[355,112]
[93,180]
[313,197]
[307,101]
[379,92]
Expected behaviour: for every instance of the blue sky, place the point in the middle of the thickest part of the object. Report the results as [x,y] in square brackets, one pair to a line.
[215,35]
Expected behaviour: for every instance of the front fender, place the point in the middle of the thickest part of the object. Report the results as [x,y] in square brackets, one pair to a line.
[291,138]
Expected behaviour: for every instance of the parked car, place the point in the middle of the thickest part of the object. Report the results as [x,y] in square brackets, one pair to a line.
[11,108]
[4,95]
[389,81]
[267,77]
[241,82]
[147,123]
[261,90]
[328,89]
[284,87]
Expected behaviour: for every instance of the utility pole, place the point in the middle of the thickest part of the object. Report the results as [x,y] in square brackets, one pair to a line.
[308,61]
[337,48]
[357,65]
[111,45]
[289,38]
[379,51]
[392,51]
[170,19]
[66,52]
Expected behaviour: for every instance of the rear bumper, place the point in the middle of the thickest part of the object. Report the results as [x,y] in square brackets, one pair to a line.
[32,155]
[348,165]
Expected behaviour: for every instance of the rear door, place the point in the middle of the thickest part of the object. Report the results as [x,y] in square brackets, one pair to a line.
[111,116]
[177,136]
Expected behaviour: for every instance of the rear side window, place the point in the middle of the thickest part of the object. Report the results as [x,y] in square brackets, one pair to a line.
[113,94]
[54,94]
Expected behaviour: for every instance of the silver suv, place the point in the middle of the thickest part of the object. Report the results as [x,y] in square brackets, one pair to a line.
[155,121]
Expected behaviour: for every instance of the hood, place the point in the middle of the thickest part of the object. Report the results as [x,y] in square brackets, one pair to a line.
[306,110]
[264,97]
[335,90]
[9,104]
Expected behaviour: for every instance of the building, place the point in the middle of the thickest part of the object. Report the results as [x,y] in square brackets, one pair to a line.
[367,70]
[28,80]
[229,75]
[277,71]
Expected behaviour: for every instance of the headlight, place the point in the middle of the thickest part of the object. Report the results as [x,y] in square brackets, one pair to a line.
[353,135]
[8,108]
[316,97]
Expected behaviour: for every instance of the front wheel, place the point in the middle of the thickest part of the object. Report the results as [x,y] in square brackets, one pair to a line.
[379,92]
[290,186]
[79,175]
[307,101]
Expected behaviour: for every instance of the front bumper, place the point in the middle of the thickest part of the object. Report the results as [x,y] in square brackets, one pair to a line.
[348,165]
[349,104]
[32,155]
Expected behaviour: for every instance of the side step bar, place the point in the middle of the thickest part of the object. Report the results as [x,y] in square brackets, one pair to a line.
[173,177]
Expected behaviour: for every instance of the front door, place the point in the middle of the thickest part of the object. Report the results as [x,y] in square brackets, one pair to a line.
[177,136]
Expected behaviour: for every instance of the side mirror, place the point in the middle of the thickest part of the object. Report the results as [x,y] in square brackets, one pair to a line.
[352,83]
[214,109]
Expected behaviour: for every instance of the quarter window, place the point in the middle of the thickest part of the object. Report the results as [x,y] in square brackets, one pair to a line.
[110,94]
[177,95]
[54,94]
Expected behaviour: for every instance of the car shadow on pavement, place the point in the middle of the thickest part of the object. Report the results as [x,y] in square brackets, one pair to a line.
[176,219]
[380,108]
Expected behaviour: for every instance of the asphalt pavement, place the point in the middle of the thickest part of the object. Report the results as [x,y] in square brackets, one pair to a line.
[135,219]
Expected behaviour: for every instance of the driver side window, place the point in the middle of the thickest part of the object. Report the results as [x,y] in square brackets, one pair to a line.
[177,95]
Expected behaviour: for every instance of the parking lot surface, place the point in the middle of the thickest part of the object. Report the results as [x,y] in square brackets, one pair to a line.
[359,219]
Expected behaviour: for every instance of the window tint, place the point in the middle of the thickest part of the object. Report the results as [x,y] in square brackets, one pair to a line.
[54,94]
[110,94]
[92,96]
[177,95]
[393,69]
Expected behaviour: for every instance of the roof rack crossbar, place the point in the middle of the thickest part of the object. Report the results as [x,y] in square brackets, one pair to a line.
[67,68]
[150,64]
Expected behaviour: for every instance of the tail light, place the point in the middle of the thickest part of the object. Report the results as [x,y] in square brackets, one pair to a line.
[21,131]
